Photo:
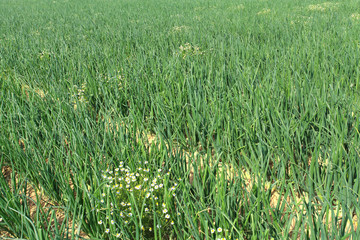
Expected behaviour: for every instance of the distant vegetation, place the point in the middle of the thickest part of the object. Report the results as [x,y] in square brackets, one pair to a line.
[179,119]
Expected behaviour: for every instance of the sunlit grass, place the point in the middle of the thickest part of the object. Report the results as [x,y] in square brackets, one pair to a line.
[254,105]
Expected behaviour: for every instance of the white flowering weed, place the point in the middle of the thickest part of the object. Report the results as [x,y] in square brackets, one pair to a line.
[137,199]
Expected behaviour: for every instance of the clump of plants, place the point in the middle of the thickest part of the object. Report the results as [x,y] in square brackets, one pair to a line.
[136,202]
[189,50]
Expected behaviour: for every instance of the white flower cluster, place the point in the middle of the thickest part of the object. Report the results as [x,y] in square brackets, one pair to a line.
[136,196]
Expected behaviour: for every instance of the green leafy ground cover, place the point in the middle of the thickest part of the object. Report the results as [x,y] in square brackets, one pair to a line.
[253,105]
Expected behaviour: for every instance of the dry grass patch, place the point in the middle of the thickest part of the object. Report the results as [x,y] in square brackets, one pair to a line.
[38,202]
[294,203]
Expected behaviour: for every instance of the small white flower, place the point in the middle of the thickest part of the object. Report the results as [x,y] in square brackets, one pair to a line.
[167,216]
[107,230]
[118,235]
[100,222]
[212,230]
[147,195]
[165,210]
[112,222]
[145,179]
[219,229]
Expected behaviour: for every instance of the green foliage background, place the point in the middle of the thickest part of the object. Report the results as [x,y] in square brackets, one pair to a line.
[270,87]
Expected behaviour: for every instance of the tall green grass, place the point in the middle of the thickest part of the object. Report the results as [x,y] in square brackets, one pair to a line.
[270,88]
